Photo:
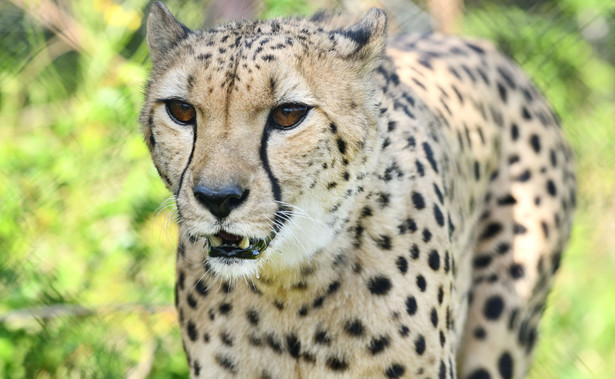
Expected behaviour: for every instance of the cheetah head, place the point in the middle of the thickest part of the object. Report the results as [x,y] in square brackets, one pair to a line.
[263,131]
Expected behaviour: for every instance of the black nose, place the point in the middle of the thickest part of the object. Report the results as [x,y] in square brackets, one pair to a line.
[220,202]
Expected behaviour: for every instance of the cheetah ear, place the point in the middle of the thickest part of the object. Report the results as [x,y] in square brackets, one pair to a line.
[368,37]
[163,31]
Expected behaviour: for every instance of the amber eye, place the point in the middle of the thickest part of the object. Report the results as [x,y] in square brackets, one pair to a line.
[288,115]
[180,112]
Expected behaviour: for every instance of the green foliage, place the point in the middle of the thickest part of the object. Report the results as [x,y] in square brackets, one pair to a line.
[88,252]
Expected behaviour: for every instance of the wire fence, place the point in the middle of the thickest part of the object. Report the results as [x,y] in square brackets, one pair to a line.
[88,250]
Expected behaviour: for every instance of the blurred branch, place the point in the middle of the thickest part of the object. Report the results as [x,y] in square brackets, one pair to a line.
[76,310]
[146,362]
[56,19]
[446,14]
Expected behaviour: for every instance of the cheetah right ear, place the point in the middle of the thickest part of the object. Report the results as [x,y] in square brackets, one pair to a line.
[367,39]
[163,31]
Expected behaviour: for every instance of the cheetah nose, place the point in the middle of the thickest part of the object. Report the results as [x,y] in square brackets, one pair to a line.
[220,202]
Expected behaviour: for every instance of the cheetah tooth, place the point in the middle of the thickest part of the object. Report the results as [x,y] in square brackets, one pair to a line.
[244,243]
[215,241]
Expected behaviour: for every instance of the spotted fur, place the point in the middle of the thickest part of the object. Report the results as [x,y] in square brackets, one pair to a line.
[419,209]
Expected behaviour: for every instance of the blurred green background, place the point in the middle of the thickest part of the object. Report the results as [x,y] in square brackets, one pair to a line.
[86,238]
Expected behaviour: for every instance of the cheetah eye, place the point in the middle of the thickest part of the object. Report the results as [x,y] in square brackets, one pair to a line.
[181,112]
[288,115]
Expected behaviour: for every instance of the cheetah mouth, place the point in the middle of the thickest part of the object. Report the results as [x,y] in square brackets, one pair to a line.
[227,245]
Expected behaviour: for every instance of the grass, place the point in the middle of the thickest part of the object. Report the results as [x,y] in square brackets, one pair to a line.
[88,268]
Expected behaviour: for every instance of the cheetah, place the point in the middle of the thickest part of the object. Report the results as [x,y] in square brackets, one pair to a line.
[353,205]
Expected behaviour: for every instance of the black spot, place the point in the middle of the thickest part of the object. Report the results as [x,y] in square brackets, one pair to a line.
[525,113]
[434,260]
[341,145]
[430,156]
[366,212]
[411,306]
[479,333]
[442,339]
[384,242]
[524,176]
[337,363]
[519,229]
[419,345]
[506,75]
[414,251]
[493,307]
[225,308]
[517,271]
[192,332]
[321,337]
[553,157]
[434,317]
[417,200]
[226,287]
[507,200]
[383,199]
[303,311]
[181,280]
[475,48]
[402,264]
[196,367]
[502,92]
[377,345]
[505,365]
[252,317]
[481,261]
[421,283]
[333,287]
[440,295]
[226,339]
[476,171]
[438,193]
[514,132]
[513,319]
[294,346]
[551,189]
[479,374]
[408,225]
[226,362]
[379,285]
[333,128]
[438,215]
[535,143]
[442,371]
[318,302]
[404,331]
[394,371]
[191,301]
[274,344]
[200,287]
[426,235]
[556,262]
[491,230]
[354,328]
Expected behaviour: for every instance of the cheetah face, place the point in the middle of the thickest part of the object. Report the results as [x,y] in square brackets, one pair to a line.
[261,130]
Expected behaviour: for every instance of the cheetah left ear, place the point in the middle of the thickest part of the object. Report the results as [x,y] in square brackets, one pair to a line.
[368,36]
[163,31]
